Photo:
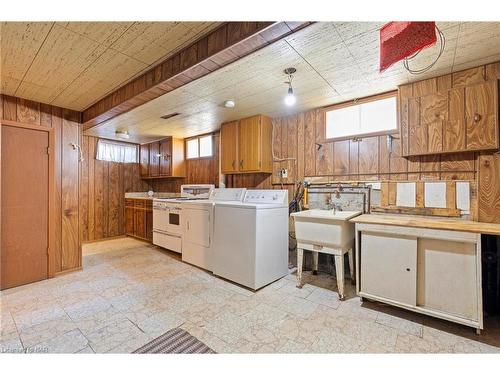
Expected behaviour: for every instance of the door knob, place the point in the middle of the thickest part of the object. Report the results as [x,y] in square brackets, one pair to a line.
[477,117]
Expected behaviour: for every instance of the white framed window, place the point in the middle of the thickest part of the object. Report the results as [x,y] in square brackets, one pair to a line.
[370,117]
[199,147]
[117,152]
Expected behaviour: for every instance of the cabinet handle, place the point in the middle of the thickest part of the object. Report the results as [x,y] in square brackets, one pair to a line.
[477,117]
[408,269]
[233,164]
[241,163]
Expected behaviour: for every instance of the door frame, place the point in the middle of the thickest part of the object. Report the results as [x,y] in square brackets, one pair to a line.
[51,187]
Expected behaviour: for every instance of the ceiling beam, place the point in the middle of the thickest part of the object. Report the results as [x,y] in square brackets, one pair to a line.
[222,46]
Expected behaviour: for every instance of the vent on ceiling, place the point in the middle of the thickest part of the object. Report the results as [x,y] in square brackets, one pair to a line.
[170,115]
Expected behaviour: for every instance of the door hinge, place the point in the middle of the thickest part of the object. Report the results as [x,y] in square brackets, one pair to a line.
[48,251]
[48,150]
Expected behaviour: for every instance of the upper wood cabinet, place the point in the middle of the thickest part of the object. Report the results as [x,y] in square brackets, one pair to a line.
[246,146]
[229,147]
[144,160]
[438,118]
[163,158]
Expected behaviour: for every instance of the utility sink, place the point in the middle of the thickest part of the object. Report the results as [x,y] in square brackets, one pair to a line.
[325,227]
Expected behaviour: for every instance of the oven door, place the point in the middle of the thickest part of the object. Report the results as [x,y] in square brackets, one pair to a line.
[174,224]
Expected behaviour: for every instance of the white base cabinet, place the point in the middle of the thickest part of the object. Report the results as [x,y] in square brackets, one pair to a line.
[435,272]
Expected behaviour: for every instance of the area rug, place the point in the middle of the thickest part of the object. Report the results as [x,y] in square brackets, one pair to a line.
[175,341]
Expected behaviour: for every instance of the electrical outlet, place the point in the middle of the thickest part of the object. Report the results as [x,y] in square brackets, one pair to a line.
[284,173]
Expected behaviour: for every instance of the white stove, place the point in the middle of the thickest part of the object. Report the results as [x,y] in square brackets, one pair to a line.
[167,216]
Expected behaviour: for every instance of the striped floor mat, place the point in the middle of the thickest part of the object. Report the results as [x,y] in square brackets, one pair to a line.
[175,341]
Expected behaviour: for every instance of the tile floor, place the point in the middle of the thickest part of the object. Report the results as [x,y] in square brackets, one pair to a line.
[130,292]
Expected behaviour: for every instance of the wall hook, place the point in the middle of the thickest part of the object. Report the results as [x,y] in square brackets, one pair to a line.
[80,153]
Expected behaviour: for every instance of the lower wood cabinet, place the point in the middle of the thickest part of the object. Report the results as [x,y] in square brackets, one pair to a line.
[139,218]
[434,272]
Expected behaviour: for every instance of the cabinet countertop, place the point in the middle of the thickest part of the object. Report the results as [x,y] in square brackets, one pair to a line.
[429,223]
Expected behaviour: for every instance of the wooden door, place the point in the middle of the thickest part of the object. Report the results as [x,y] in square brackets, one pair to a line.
[489,188]
[140,223]
[388,267]
[368,155]
[417,138]
[454,127]
[166,157]
[149,225]
[154,160]
[144,160]
[249,144]
[481,102]
[229,147]
[129,220]
[433,114]
[25,206]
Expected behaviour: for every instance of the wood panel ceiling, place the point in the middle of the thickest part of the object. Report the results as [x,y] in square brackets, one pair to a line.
[74,64]
[335,62]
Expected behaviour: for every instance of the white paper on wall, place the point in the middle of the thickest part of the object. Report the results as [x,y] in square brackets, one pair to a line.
[435,194]
[405,194]
[463,196]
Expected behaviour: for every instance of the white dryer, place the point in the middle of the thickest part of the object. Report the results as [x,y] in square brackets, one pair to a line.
[251,238]
[197,224]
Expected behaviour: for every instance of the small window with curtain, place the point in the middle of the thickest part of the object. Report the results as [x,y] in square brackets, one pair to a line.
[199,147]
[117,152]
[371,116]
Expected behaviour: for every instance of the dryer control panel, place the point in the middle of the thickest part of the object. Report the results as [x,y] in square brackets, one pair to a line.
[267,197]
[227,194]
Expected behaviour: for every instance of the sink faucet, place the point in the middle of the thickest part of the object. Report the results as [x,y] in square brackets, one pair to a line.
[336,207]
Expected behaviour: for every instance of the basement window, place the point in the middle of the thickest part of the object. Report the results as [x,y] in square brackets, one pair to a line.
[364,117]
[117,152]
[199,147]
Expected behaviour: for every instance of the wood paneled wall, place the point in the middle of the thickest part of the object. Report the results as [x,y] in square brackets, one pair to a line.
[66,124]
[104,184]
[102,188]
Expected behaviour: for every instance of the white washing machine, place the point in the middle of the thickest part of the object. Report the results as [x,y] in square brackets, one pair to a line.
[251,238]
[197,223]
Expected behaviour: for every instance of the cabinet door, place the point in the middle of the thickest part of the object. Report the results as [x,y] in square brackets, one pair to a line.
[388,267]
[447,277]
[489,188]
[417,139]
[129,221]
[144,160]
[229,147]
[154,160]
[454,127]
[481,115]
[166,157]
[250,144]
[149,225]
[140,223]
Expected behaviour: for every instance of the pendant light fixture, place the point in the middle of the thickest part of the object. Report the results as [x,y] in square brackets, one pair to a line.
[290,98]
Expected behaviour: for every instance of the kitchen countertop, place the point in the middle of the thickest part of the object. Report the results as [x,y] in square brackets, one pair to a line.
[145,196]
[429,223]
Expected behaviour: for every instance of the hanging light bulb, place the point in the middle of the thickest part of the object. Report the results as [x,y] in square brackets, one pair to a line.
[290,98]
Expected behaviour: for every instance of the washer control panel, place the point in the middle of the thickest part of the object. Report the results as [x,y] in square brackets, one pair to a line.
[266,196]
[227,194]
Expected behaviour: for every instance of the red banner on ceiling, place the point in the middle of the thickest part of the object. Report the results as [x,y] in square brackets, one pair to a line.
[399,40]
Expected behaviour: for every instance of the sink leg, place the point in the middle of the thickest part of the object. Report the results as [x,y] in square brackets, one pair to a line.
[478,331]
[300,261]
[339,270]
[315,262]
[351,265]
